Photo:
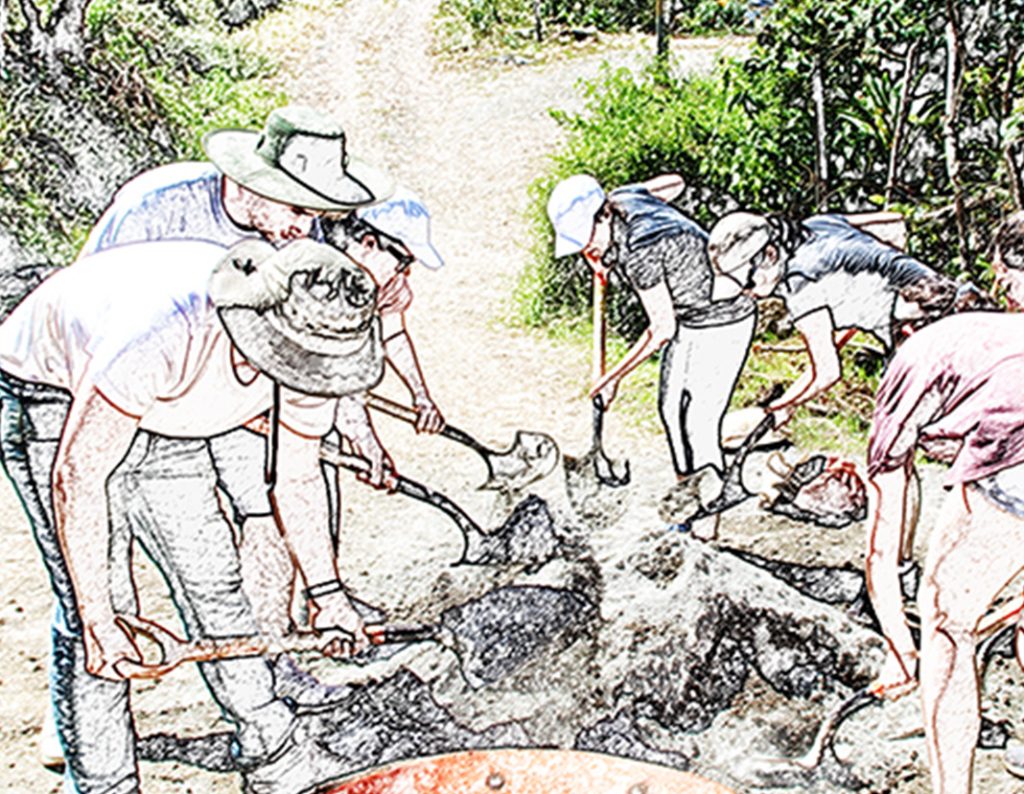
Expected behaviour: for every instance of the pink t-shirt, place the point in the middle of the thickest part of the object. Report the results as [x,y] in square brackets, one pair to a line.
[960,379]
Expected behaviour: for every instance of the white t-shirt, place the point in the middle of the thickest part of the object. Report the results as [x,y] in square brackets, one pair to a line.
[136,322]
[180,201]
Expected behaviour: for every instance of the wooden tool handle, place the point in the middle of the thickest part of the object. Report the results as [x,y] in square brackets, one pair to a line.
[600,282]
[391,408]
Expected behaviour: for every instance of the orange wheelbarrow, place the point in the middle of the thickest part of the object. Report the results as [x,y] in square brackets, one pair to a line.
[523,772]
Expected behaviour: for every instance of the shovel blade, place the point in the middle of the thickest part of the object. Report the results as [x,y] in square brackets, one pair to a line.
[532,457]
[593,501]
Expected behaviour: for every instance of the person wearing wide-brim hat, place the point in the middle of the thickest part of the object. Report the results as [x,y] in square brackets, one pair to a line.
[274,184]
[184,340]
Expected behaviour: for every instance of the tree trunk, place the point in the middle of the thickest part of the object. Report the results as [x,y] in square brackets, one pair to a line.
[1013,173]
[538,21]
[821,133]
[659,28]
[3,36]
[949,129]
[900,122]
[63,35]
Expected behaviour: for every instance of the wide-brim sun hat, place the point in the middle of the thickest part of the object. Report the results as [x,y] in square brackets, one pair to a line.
[405,217]
[304,315]
[572,206]
[299,158]
[736,239]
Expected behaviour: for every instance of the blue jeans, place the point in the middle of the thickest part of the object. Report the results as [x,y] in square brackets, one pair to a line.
[162,494]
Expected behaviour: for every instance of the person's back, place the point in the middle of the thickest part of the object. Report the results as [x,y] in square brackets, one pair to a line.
[967,391]
[858,278]
[180,201]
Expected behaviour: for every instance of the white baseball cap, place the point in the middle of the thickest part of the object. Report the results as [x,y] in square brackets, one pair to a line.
[573,204]
[736,239]
[406,217]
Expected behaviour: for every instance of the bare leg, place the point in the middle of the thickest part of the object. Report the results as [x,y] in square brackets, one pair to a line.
[887,510]
[975,549]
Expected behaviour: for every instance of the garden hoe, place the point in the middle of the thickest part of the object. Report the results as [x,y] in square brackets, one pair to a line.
[592,480]
[531,457]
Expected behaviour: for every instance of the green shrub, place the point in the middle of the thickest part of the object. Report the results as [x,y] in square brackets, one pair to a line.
[149,87]
[732,135]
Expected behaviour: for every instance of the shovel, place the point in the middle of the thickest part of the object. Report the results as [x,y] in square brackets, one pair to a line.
[331,453]
[166,650]
[588,479]
[683,503]
[531,457]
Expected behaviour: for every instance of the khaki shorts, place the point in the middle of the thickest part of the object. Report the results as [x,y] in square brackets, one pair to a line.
[1004,489]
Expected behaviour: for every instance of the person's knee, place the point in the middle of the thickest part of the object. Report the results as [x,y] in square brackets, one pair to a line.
[943,616]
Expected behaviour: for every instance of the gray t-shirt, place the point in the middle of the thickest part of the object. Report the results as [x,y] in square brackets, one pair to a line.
[656,243]
[854,275]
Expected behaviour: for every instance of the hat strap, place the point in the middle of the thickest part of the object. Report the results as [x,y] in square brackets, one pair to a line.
[270,465]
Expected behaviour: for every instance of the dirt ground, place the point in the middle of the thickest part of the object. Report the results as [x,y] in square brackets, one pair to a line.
[469,139]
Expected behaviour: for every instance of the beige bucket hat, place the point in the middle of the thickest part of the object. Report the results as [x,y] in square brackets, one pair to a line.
[305,315]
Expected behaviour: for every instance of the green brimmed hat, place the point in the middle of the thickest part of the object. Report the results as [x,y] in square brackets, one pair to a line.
[299,159]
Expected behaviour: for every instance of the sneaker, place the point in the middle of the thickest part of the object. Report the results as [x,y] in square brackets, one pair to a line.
[1013,758]
[302,764]
[51,752]
[303,689]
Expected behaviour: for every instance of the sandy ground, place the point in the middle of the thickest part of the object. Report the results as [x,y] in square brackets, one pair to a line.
[469,140]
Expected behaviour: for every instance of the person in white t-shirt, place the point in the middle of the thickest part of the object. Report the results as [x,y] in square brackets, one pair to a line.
[184,340]
[281,183]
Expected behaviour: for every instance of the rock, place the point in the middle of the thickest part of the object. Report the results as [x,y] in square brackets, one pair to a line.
[674,652]
[507,627]
[528,537]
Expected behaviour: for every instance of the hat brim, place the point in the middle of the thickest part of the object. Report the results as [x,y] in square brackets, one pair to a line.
[564,246]
[234,153]
[329,368]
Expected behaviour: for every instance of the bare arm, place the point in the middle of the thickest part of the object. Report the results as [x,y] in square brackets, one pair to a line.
[353,422]
[825,370]
[657,303]
[96,437]
[402,355]
[301,506]
[887,494]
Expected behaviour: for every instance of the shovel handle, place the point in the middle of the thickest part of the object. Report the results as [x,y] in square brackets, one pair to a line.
[331,453]
[600,284]
[174,650]
[409,415]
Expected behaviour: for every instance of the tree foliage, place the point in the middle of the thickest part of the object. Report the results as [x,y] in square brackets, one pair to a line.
[844,106]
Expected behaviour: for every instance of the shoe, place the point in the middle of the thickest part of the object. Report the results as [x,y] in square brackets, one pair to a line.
[51,752]
[302,765]
[302,689]
[1013,758]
